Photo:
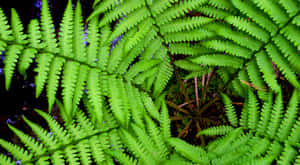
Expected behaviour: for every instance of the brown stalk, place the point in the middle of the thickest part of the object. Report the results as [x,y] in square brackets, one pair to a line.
[173,105]
[185,129]
[196,92]
[201,136]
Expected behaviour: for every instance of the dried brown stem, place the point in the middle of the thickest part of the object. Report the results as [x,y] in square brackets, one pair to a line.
[196,92]
[185,129]
[201,136]
[173,105]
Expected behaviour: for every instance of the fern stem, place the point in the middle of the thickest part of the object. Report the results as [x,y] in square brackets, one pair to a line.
[185,129]
[185,103]
[201,136]
[173,105]
[208,105]
[196,92]
[177,118]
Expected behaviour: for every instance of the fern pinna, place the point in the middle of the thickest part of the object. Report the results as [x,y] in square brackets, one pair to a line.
[252,37]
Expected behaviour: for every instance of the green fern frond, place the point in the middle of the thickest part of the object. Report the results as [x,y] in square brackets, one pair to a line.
[258,16]
[66,33]
[137,149]
[122,158]
[218,130]
[288,51]
[265,66]
[271,136]
[116,101]
[273,10]
[13,53]
[276,116]
[5,30]
[79,65]
[74,144]
[229,47]
[219,60]
[250,28]
[188,65]
[17,28]
[188,49]
[94,94]
[184,24]
[130,21]
[230,111]
[252,110]
[47,27]
[114,14]
[195,154]
[6,160]
[265,114]
[150,106]
[289,118]
[157,137]
[106,5]
[188,35]
[164,74]
[17,151]
[214,12]
[283,65]
[136,104]
[178,10]
[165,121]
[160,6]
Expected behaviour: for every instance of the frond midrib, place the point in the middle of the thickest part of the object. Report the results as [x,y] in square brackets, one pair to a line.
[42,51]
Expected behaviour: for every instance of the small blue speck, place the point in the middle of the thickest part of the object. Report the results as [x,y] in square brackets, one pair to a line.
[9,121]
[85,38]
[38,4]
[32,85]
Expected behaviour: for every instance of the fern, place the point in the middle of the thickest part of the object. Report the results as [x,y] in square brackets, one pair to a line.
[77,143]
[127,64]
[156,19]
[266,128]
[261,32]
[77,64]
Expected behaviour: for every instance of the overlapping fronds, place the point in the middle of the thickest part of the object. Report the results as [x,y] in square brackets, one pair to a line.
[273,132]
[122,66]
[155,29]
[105,69]
[259,36]
[79,142]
